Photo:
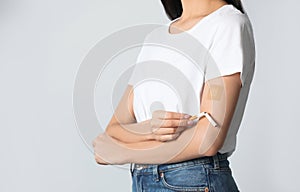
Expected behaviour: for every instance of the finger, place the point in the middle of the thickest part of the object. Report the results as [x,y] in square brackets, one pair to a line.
[186,123]
[167,131]
[162,123]
[165,138]
[177,123]
[159,123]
[161,114]
[156,123]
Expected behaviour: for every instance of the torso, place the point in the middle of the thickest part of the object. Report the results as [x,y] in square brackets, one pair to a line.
[170,81]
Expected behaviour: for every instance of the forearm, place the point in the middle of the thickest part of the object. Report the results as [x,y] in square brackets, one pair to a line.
[175,154]
[130,133]
[192,143]
[185,147]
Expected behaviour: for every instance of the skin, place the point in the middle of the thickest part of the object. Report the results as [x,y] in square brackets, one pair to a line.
[193,11]
[167,134]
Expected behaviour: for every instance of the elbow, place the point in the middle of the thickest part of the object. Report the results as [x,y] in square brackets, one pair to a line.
[111,129]
[113,136]
[211,143]
[209,151]
[113,132]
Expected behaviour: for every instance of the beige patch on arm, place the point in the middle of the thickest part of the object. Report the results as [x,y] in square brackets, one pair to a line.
[215,92]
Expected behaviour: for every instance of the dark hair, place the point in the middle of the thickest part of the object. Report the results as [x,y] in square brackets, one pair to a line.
[173,8]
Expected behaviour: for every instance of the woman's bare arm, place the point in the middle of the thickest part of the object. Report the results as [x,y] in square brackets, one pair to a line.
[219,99]
[123,125]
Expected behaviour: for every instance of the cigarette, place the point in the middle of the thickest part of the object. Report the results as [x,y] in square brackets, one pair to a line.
[210,119]
[193,117]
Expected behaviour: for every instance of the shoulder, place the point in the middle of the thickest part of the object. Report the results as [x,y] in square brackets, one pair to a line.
[233,26]
[232,18]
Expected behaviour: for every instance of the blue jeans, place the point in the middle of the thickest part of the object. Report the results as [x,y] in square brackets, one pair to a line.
[208,174]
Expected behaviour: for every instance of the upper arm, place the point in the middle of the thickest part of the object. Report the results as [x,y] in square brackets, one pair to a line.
[124,113]
[219,99]
[231,53]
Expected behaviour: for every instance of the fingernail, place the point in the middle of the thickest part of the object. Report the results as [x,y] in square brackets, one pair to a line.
[187,116]
[190,122]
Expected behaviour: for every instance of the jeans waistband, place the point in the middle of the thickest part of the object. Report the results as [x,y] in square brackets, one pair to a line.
[201,160]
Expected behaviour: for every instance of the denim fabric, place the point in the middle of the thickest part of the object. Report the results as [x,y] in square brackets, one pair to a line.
[208,174]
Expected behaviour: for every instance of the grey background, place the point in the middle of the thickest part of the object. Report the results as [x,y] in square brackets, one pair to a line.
[41,46]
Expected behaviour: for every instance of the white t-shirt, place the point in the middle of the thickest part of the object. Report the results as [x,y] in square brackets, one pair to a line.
[167,78]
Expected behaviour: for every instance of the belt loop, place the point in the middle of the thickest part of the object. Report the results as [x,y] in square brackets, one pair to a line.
[155,173]
[216,161]
[131,168]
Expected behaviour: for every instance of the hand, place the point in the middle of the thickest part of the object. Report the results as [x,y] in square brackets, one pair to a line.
[167,125]
[98,159]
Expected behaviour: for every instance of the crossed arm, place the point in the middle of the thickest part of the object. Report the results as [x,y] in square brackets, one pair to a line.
[126,141]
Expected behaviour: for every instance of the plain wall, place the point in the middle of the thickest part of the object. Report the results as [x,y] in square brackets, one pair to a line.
[42,44]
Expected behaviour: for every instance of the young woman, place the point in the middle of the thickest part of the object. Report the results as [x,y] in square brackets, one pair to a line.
[167,150]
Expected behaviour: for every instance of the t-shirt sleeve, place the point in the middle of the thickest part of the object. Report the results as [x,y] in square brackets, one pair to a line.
[228,49]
